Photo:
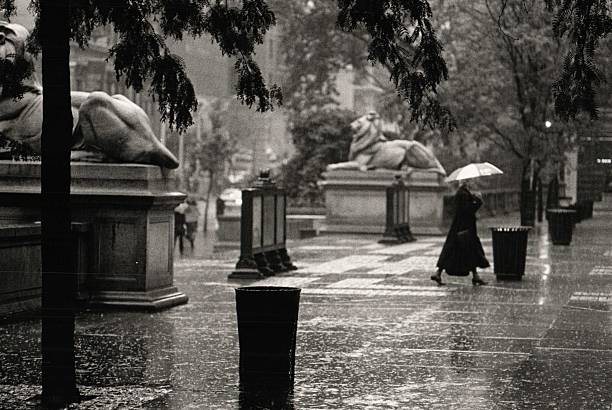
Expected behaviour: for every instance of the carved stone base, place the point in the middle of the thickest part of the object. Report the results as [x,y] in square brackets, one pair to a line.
[356,201]
[245,273]
[390,240]
[153,300]
[129,207]
[400,234]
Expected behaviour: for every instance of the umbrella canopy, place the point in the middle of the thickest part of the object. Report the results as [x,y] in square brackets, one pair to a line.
[474,170]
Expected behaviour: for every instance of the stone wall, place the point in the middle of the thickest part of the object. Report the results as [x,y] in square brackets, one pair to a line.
[20,277]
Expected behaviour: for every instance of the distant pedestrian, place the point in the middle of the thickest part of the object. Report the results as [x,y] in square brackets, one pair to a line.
[462,252]
[179,225]
[220,204]
[192,214]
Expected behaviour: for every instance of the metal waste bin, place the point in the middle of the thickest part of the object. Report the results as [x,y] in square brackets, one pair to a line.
[588,209]
[561,225]
[267,326]
[575,216]
[509,251]
[585,210]
[528,208]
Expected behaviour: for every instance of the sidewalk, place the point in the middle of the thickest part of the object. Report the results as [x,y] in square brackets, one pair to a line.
[374,333]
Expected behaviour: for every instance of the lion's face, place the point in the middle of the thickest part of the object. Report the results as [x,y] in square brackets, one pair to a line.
[12,41]
[369,122]
[16,65]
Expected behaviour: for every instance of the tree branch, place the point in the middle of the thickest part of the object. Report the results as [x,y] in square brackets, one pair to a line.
[506,138]
[498,18]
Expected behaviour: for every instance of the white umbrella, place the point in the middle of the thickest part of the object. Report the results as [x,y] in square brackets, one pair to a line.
[474,170]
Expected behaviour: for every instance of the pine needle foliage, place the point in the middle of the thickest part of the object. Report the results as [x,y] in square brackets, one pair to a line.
[12,76]
[322,138]
[322,37]
[399,34]
[584,23]
[314,52]
[141,53]
[403,39]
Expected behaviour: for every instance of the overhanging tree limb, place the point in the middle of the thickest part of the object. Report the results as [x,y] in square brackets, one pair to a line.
[506,138]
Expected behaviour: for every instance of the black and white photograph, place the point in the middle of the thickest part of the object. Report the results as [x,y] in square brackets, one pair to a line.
[306,204]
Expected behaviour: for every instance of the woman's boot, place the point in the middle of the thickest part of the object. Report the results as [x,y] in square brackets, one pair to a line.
[476,281]
[437,277]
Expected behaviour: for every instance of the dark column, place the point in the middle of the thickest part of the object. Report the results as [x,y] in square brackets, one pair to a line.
[58,277]
[540,201]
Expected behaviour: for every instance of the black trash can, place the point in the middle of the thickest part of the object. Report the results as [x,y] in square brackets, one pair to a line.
[528,208]
[267,327]
[589,209]
[580,211]
[509,251]
[576,215]
[561,225]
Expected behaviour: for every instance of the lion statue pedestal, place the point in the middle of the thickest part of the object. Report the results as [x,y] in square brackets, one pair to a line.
[356,201]
[127,203]
[355,190]
[130,210]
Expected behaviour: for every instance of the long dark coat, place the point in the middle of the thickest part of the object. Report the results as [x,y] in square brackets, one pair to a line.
[460,256]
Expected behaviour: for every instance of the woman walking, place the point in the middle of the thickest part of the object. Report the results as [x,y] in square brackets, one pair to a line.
[462,252]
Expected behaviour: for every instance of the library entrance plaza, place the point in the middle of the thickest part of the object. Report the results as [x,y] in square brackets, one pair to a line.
[374,332]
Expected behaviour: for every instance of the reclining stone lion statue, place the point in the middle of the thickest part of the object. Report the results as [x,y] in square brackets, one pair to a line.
[105,128]
[370,149]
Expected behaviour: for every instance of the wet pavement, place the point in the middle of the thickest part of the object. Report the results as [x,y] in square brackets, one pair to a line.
[374,333]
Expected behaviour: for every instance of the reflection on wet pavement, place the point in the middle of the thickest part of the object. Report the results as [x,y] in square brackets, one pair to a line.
[374,333]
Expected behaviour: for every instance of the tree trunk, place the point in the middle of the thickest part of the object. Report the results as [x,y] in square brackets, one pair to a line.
[540,200]
[552,198]
[58,259]
[527,203]
[208,192]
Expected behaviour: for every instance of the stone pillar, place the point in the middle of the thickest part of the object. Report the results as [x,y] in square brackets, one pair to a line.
[130,209]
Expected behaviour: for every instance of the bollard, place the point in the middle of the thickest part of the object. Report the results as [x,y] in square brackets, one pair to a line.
[267,326]
[397,220]
[588,209]
[263,231]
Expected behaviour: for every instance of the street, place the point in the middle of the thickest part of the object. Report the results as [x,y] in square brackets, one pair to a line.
[374,332]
